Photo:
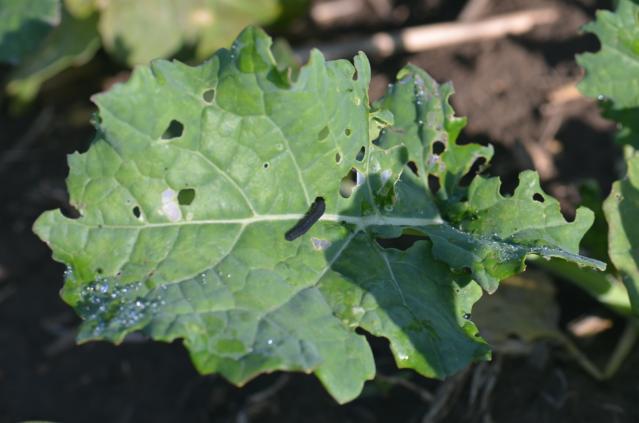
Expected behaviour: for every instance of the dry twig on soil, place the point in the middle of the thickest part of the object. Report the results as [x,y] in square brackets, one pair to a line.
[426,37]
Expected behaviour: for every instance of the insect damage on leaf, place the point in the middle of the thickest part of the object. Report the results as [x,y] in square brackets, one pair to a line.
[316,211]
[216,272]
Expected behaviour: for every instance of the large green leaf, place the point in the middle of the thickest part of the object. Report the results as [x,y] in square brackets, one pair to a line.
[142,30]
[622,209]
[612,74]
[487,233]
[196,174]
[23,24]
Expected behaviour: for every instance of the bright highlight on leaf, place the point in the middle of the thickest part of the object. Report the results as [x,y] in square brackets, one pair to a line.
[257,149]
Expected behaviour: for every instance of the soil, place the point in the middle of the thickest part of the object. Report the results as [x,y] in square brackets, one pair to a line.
[504,87]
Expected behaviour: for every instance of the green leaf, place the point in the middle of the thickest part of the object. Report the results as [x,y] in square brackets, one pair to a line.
[23,24]
[73,43]
[196,174]
[138,31]
[81,9]
[487,233]
[612,74]
[621,209]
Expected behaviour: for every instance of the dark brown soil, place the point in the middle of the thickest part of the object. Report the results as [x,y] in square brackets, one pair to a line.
[504,87]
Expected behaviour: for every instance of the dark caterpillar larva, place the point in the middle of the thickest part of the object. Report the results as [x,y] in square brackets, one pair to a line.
[312,215]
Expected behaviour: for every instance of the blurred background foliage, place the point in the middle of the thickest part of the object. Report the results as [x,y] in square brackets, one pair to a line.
[44,37]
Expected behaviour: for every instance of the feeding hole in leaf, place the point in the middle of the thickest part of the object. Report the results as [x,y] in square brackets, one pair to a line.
[266,165]
[338,158]
[538,197]
[433,183]
[186,196]
[569,213]
[348,184]
[402,242]
[413,167]
[438,147]
[474,170]
[348,132]
[323,133]
[69,211]
[174,130]
[209,95]
[506,189]
[136,212]
[378,140]
[360,154]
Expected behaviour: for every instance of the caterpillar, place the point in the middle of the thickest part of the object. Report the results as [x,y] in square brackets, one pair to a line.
[313,214]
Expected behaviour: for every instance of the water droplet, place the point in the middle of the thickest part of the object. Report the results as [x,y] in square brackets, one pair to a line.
[270,342]
[386,175]
[102,287]
[68,274]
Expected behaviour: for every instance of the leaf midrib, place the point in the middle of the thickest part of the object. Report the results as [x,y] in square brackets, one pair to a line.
[360,221]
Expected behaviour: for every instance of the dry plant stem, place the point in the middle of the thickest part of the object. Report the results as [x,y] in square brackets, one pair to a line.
[21,147]
[554,113]
[473,10]
[446,397]
[483,382]
[259,400]
[382,8]
[541,158]
[328,12]
[423,394]
[624,346]
[420,38]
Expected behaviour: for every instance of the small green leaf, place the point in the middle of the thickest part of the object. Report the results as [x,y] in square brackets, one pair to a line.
[72,43]
[81,9]
[196,174]
[621,209]
[23,25]
[612,74]
[141,30]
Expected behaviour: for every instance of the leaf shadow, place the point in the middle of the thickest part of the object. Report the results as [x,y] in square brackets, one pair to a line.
[396,289]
